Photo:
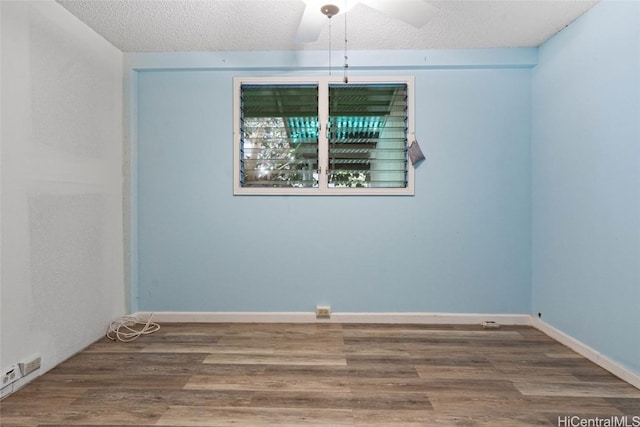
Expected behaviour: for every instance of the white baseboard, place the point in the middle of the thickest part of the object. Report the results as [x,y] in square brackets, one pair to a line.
[431,318]
[310,317]
[587,352]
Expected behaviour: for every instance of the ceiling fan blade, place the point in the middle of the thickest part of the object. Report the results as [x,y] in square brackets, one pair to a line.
[310,24]
[414,12]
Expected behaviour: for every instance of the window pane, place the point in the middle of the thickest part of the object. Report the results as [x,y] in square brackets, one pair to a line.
[368,135]
[279,136]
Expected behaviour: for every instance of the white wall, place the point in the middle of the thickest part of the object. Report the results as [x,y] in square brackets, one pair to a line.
[62,244]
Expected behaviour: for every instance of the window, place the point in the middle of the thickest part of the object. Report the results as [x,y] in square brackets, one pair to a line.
[322,136]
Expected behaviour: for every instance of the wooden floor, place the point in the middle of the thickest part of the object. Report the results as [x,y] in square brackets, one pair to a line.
[323,375]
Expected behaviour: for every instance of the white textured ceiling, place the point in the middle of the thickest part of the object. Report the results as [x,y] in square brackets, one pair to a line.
[234,25]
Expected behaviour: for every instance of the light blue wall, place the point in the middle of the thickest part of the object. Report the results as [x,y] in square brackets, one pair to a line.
[586,181]
[461,244]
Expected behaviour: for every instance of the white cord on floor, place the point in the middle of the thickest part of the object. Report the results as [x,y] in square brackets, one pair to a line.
[123,329]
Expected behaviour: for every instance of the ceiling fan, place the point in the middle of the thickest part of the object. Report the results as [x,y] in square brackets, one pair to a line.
[414,12]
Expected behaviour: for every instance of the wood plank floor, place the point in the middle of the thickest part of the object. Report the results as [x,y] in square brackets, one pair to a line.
[323,375]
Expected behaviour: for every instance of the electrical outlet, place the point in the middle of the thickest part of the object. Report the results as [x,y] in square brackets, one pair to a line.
[30,365]
[323,311]
[10,376]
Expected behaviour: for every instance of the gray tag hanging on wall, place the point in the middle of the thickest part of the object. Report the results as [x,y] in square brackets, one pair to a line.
[415,153]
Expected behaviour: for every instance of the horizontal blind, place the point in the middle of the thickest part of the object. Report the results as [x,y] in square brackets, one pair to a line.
[368,135]
[279,135]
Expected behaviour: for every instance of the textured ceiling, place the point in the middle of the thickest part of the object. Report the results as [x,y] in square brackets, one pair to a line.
[234,25]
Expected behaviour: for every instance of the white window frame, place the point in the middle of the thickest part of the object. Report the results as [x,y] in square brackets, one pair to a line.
[323,147]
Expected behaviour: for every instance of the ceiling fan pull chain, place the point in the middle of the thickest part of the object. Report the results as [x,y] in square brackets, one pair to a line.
[330,10]
[329,45]
[346,58]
